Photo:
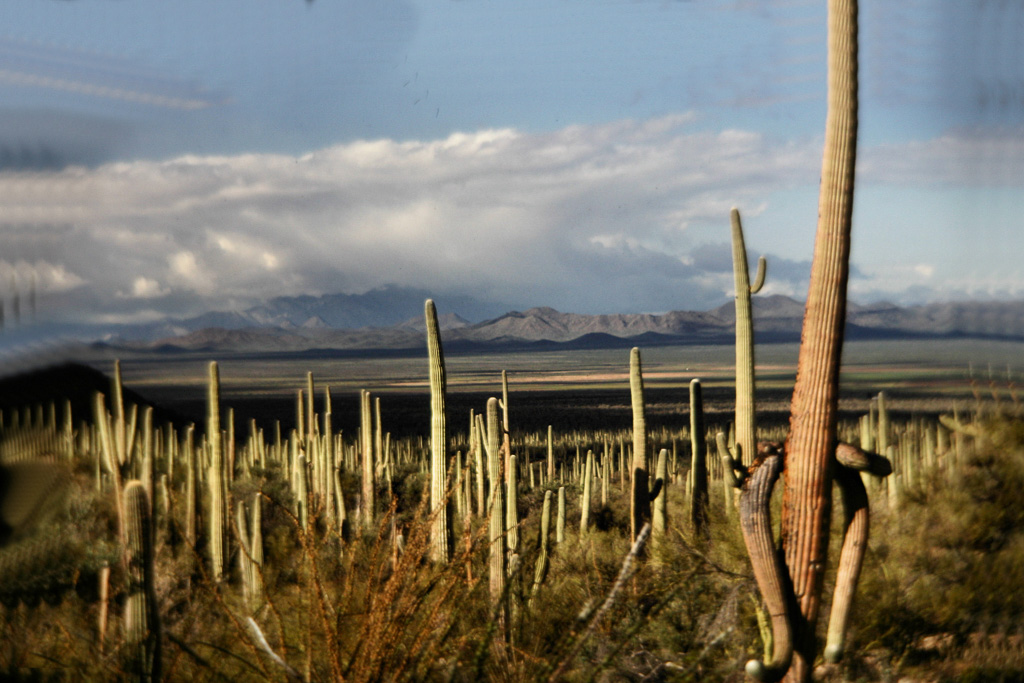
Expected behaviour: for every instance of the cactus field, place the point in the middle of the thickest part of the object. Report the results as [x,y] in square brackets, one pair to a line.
[299,548]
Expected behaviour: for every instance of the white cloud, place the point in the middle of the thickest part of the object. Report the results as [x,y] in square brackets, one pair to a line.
[982,158]
[46,277]
[145,288]
[598,217]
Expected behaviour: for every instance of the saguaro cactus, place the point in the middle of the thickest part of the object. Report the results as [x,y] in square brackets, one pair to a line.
[588,476]
[440,531]
[659,515]
[496,506]
[369,466]
[698,462]
[809,462]
[250,557]
[141,616]
[215,474]
[745,419]
[541,568]
[640,501]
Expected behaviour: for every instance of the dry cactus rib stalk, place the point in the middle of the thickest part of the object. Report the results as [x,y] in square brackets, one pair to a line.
[756,524]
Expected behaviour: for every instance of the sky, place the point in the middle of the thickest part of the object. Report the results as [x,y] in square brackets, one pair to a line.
[163,159]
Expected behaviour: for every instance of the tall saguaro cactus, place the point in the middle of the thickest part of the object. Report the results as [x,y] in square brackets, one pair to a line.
[698,462]
[440,532]
[745,421]
[141,614]
[810,450]
[215,474]
[640,501]
[369,475]
[496,504]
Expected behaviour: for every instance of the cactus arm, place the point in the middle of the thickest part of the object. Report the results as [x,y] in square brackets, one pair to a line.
[656,489]
[951,423]
[860,460]
[856,524]
[732,471]
[756,524]
[762,270]
[856,519]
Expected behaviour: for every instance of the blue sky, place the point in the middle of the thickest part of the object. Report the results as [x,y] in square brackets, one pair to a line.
[163,159]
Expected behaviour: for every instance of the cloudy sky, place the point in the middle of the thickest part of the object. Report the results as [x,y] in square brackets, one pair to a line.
[169,158]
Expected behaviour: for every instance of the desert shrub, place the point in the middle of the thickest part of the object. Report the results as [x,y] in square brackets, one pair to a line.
[944,565]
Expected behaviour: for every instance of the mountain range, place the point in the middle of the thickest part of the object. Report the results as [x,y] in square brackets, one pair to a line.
[391,319]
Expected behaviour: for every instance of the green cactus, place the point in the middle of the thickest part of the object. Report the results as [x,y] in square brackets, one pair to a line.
[512,506]
[884,425]
[301,491]
[560,522]
[698,462]
[541,570]
[476,441]
[250,559]
[369,466]
[120,427]
[108,458]
[640,499]
[141,613]
[496,505]
[551,457]
[441,532]
[588,476]
[745,417]
[659,515]
[215,475]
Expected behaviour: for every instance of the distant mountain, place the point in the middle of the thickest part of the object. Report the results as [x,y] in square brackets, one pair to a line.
[383,307]
[777,319]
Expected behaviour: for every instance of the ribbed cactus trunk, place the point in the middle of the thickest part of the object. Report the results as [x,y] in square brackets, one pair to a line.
[551,457]
[745,418]
[698,462]
[496,505]
[440,530]
[807,504]
[141,616]
[659,514]
[640,503]
[560,521]
[250,556]
[540,571]
[369,466]
[588,476]
[215,475]
[512,506]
